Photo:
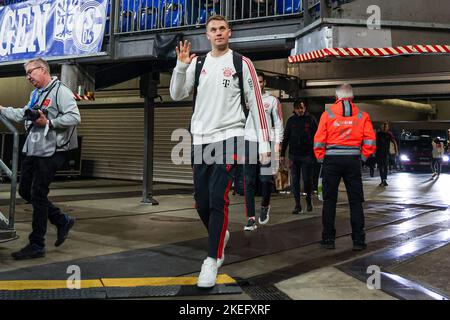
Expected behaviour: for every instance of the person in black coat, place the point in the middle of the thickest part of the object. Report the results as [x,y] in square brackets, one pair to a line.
[384,138]
[299,135]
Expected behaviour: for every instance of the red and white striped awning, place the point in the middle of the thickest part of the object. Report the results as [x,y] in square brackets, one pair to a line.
[370,52]
[88,96]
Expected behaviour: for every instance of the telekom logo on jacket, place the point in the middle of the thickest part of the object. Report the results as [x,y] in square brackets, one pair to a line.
[339,123]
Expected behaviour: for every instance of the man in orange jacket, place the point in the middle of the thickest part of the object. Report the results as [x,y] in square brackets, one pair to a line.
[345,136]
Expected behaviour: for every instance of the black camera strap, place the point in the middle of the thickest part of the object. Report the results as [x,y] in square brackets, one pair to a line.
[59,112]
[42,101]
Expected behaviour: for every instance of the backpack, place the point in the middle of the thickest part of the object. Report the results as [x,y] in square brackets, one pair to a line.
[237,62]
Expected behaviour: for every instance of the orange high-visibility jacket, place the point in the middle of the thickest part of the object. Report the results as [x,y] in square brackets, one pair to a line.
[344,130]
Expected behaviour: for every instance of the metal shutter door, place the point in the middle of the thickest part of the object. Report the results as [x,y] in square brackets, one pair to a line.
[113,143]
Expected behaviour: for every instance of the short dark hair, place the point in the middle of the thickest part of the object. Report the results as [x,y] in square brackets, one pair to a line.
[217,17]
[262,75]
[297,103]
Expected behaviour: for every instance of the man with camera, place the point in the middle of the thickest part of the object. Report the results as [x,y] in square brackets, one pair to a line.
[50,119]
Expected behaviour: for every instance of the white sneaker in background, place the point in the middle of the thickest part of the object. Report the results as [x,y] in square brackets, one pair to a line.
[264,216]
[251,225]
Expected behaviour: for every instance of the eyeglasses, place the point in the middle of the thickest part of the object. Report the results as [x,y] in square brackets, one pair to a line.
[29,72]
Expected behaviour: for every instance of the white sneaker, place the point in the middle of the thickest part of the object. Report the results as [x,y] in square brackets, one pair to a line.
[220,261]
[264,216]
[208,274]
[251,225]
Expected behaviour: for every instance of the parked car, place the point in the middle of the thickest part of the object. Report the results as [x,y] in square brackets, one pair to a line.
[415,149]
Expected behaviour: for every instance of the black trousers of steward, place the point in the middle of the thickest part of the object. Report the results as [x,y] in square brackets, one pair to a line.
[349,169]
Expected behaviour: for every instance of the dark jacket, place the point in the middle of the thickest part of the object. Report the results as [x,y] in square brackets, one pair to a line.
[299,135]
[383,144]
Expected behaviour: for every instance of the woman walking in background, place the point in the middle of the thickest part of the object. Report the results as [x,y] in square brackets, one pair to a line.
[437,153]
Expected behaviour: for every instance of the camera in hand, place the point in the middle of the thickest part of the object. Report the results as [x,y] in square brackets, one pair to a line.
[33,114]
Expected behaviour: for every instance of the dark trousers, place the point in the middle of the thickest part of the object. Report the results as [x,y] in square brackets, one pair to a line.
[348,168]
[35,177]
[392,162]
[371,164]
[212,183]
[436,164]
[316,172]
[251,167]
[302,167]
[383,163]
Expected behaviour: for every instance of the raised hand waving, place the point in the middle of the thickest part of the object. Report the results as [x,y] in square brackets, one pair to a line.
[184,52]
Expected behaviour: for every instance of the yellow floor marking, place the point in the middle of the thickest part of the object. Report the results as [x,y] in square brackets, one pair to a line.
[17,285]
[46,284]
[162,281]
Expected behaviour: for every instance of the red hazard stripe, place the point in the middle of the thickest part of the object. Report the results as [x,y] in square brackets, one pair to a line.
[417,48]
[388,51]
[370,52]
[262,115]
[408,49]
[437,48]
[359,52]
[428,48]
[225,220]
[378,51]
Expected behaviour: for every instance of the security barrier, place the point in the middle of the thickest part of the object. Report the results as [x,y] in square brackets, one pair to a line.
[7,231]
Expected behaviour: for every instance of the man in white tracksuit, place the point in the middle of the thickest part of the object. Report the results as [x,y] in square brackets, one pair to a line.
[274,117]
[217,122]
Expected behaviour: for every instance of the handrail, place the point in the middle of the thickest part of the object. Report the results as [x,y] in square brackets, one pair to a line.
[7,230]
[132,16]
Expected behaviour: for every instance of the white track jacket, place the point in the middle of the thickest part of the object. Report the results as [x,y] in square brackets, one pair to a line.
[218,112]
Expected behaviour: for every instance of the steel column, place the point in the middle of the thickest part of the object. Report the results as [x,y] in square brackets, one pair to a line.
[148,87]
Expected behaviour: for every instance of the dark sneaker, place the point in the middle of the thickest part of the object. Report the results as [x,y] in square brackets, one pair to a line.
[31,251]
[327,244]
[264,216]
[63,231]
[251,225]
[297,210]
[359,246]
[385,183]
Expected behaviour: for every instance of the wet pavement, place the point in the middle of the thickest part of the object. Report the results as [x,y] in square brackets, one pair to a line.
[407,225]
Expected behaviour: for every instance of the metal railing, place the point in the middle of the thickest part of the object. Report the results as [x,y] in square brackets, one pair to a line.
[142,15]
[7,230]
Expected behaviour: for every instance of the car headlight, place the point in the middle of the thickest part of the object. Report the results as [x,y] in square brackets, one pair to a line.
[404,157]
[445,158]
